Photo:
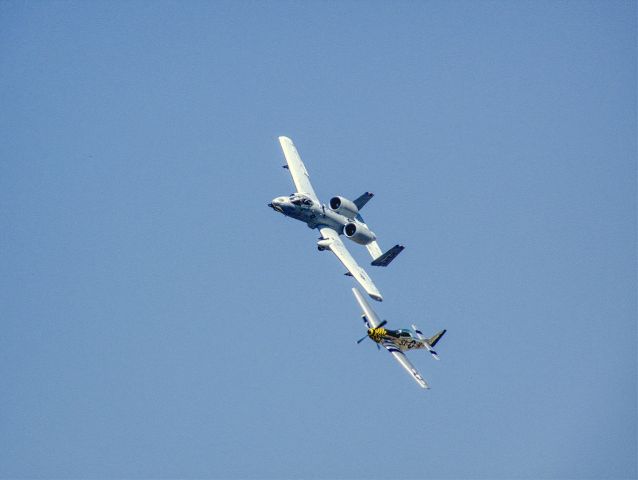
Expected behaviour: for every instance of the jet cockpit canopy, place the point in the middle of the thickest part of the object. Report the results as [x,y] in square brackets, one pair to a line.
[300,199]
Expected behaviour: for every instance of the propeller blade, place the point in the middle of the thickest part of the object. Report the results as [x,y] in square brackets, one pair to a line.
[378,326]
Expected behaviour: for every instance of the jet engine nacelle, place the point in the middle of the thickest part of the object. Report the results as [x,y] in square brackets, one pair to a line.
[359,233]
[344,206]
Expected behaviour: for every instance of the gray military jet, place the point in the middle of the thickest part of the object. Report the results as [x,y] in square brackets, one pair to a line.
[340,217]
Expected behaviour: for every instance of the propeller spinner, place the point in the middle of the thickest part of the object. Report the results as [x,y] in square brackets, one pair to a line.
[374,333]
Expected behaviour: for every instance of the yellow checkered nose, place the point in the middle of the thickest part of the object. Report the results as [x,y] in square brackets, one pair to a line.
[376,334]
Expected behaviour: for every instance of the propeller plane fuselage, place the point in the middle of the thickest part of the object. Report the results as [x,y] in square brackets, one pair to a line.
[404,339]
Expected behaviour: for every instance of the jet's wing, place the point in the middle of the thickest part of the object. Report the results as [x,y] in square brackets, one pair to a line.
[405,363]
[342,253]
[297,169]
[371,317]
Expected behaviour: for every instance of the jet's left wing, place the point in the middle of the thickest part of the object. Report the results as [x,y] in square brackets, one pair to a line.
[297,169]
[405,363]
[342,253]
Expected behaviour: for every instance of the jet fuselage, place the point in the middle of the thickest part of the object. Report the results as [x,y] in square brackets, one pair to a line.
[302,208]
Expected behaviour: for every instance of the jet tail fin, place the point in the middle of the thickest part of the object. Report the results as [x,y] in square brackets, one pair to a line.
[385,259]
[363,199]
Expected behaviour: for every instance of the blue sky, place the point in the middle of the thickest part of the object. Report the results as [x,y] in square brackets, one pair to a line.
[158,320]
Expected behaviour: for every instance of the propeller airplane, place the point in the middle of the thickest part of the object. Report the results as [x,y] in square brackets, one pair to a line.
[397,341]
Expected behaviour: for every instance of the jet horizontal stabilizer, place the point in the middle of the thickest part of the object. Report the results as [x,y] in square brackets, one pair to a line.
[385,259]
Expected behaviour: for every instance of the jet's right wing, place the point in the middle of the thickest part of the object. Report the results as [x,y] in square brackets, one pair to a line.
[297,169]
[342,253]
[405,363]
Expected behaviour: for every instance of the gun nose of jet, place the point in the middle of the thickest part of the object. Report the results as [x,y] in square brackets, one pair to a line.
[275,205]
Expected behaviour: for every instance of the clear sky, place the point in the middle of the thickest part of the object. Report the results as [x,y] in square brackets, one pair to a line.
[158,320]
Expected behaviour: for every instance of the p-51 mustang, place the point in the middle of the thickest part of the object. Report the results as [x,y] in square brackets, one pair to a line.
[397,341]
[342,217]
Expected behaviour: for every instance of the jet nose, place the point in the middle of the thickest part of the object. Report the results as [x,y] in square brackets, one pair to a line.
[275,205]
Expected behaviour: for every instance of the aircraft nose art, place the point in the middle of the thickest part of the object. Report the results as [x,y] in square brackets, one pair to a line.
[275,206]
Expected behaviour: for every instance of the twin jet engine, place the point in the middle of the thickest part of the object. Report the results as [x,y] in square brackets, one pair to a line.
[355,230]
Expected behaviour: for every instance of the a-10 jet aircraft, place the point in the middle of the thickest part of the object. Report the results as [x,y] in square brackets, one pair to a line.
[397,341]
[341,217]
